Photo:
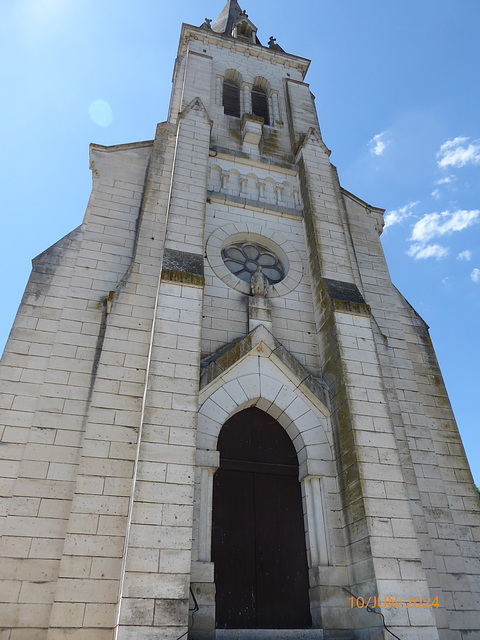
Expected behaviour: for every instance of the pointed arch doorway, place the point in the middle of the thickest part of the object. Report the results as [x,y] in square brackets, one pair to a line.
[258,538]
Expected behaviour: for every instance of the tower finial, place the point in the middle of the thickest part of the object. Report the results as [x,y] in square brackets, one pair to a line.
[272,43]
[207,24]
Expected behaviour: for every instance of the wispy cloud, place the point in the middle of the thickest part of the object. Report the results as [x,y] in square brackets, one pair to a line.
[445,180]
[436,193]
[378,144]
[422,251]
[434,225]
[475,275]
[458,153]
[398,215]
[465,255]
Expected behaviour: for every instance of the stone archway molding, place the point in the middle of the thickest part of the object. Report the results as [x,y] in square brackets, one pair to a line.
[258,371]
[260,341]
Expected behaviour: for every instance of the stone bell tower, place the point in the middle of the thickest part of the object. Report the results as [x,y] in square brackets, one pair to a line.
[220,418]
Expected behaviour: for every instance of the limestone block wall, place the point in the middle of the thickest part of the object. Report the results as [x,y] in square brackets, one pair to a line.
[187,205]
[204,60]
[379,526]
[28,350]
[155,575]
[302,115]
[435,469]
[108,431]
[324,212]
[226,309]
[43,423]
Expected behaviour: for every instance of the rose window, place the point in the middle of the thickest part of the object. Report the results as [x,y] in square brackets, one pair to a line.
[243,258]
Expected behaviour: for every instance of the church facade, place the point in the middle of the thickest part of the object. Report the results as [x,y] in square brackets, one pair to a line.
[220,419]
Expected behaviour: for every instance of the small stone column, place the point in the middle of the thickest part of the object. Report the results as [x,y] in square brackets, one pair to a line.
[317,522]
[278,194]
[206,504]
[261,189]
[247,99]
[275,109]
[202,576]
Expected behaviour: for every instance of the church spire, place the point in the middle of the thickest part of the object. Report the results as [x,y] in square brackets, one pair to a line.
[230,13]
[234,22]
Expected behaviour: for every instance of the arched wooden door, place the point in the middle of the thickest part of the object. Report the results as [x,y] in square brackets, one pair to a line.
[258,539]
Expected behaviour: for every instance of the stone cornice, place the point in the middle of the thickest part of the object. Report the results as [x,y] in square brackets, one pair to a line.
[254,205]
[246,159]
[120,147]
[361,202]
[189,32]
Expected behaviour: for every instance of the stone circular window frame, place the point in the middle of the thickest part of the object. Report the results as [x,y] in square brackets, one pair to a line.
[271,240]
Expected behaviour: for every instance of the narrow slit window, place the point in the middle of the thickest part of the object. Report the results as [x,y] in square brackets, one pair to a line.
[231,98]
[260,104]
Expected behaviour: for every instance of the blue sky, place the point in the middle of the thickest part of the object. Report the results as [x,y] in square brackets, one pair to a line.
[397,94]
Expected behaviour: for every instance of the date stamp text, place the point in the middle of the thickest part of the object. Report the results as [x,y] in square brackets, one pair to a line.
[409,602]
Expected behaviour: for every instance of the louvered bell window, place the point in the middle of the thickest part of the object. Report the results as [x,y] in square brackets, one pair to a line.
[260,104]
[231,98]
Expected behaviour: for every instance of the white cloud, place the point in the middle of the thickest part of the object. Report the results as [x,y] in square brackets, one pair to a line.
[377,144]
[398,215]
[422,251]
[436,194]
[465,255]
[439,224]
[446,180]
[475,275]
[456,153]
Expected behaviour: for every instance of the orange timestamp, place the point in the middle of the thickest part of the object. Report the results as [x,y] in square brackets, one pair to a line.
[410,602]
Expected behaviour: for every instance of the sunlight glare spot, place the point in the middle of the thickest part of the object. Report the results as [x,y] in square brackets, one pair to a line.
[101,113]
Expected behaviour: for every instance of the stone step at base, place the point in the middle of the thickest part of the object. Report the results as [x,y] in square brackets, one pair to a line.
[282,634]
[269,634]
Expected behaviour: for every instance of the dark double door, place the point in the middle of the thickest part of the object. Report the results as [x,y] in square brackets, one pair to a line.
[258,541]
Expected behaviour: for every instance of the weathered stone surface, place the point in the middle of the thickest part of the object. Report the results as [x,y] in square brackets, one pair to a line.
[131,349]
